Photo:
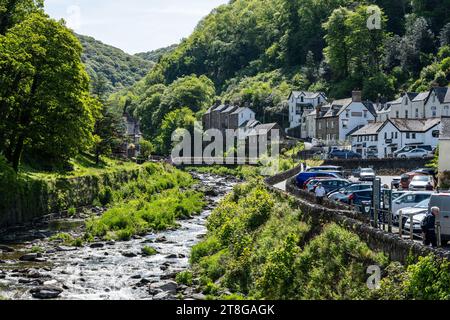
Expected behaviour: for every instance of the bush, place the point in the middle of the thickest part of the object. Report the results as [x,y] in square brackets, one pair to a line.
[149,251]
[185,278]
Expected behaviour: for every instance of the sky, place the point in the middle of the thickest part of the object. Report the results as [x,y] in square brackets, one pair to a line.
[133,25]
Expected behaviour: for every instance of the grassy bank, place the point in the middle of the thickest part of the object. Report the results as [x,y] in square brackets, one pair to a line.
[260,247]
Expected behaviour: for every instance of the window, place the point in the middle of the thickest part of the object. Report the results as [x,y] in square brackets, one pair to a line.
[406,114]
[397,114]
[347,113]
[408,135]
[302,99]
[433,112]
[345,124]
[413,136]
[417,113]
[406,101]
[435,133]
[376,138]
[396,135]
[365,113]
[385,136]
[392,135]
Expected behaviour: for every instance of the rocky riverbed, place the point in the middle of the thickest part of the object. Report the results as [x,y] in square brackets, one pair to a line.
[33,267]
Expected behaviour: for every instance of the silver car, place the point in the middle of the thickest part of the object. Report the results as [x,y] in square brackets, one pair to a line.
[367,174]
[410,199]
[418,209]
[416,153]
[419,183]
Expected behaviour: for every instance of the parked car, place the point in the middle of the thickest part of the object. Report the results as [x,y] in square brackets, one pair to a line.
[367,174]
[396,182]
[338,169]
[310,184]
[358,197]
[416,153]
[331,185]
[397,194]
[421,182]
[442,201]
[343,192]
[305,176]
[344,154]
[412,147]
[410,199]
[406,179]
[427,171]
[421,207]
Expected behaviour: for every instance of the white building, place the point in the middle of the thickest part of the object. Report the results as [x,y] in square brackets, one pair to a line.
[444,146]
[384,138]
[300,104]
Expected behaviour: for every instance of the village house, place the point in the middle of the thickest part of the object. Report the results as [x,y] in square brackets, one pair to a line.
[133,135]
[302,103]
[337,121]
[226,116]
[382,139]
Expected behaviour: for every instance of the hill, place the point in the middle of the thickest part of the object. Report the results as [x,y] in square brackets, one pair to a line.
[118,69]
[155,55]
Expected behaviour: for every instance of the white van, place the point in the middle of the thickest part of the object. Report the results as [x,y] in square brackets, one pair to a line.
[442,201]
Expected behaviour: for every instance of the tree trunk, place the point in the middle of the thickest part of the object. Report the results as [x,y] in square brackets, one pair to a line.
[17,154]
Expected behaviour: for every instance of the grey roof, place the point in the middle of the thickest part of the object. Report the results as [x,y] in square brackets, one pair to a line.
[308,95]
[250,124]
[415,125]
[421,96]
[443,94]
[220,108]
[369,129]
[239,110]
[229,109]
[263,128]
[445,131]
[412,95]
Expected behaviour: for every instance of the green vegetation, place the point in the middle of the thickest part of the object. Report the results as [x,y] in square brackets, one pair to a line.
[155,55]
[149,251]
[117,69]
[185,277]
[258,246]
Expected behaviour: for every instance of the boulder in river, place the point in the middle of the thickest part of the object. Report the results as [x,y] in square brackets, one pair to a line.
[65,249]
[6,248]
[46,292]
[30,257]
[129,254]
[97,245]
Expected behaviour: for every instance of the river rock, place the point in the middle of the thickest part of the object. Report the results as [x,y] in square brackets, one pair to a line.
[97,245]
[162,296]
[65,249]
[198,296]
[2,262]
[129,254]
[30,257]
[169,286]
[6,248]
[172,256]
[46,292]
[161,239]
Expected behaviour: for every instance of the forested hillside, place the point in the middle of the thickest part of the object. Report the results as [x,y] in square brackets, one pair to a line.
[111,67]
[155,55]
[258,50]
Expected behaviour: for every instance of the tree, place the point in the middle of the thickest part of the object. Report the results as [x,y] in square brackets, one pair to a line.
[147,148]
[444,36]
[44,91]
[15,11]
[109,133]
[178,119]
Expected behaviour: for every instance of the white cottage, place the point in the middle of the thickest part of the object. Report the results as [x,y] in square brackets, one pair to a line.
[300,104]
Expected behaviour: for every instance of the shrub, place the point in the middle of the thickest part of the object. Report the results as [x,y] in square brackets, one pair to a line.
[185,277]
[149,251]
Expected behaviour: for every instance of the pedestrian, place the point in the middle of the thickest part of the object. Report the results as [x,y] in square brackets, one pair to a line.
[320,194]
[429,227]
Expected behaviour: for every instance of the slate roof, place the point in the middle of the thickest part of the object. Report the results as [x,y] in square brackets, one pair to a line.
[369,129]
[308,95]
[415,125]
[421,96]
[262,128]
[443,94]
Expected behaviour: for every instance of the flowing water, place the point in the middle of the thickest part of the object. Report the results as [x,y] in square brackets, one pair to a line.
[105,270]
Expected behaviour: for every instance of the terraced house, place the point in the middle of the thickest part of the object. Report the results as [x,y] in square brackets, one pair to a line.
[336,121]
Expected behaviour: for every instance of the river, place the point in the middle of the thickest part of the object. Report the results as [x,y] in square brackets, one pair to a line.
[104,270]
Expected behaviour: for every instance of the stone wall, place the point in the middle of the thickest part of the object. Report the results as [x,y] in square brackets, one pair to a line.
[382,166]
[392,245]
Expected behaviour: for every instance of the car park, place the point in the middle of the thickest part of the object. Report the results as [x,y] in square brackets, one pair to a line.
[410,199]
[302,177]
[413,154]
[344,154]
[367,174]
[422,182]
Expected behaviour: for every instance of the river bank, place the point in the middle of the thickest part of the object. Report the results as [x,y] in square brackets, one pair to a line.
[38,266]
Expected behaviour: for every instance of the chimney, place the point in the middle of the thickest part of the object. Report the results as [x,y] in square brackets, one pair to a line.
[356,96]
